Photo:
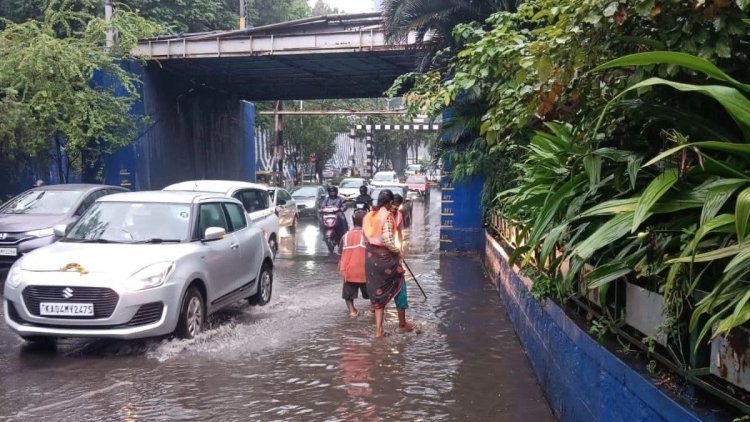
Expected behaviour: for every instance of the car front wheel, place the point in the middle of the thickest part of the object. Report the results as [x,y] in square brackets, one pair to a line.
[192,314]
[265,287]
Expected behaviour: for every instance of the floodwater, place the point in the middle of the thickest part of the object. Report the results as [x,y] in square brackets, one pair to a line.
[301,357]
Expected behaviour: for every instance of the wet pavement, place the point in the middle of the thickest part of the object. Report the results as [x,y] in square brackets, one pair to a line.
[301,357]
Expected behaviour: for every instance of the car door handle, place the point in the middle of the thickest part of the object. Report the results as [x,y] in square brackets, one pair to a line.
[235,246]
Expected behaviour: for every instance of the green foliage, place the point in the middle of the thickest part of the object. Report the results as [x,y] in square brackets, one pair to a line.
[178,15]
[46,88]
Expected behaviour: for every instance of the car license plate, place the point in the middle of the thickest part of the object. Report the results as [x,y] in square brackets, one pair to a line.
[66,309]
[8,252]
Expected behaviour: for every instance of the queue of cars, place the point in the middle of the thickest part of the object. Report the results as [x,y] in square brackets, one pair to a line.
[98,261]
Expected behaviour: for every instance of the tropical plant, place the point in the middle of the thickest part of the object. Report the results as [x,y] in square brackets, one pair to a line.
[48,91]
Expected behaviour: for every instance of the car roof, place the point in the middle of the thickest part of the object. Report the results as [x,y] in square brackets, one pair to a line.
[175,197]
[79,187]
[216,186]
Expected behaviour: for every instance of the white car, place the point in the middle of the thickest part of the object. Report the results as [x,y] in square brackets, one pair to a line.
[285,208]
[414,169]
[349,188]
[140,264]
[386,178]
[254,198]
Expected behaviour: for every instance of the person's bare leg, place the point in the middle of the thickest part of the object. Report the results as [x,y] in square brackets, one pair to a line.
[379,331]
[352,310]
[402,324]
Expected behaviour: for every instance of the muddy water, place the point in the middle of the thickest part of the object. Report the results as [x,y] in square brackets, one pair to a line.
[301,357]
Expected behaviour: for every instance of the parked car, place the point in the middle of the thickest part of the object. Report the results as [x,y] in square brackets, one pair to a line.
[308,199]
[26,221]
[349,188]
[414,169]
[140,264]
[406,207]
[285,208]
[419,184]
[254,199]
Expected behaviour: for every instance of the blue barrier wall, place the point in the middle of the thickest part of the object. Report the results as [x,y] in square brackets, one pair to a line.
[192,132]
[460,212]
[582,380]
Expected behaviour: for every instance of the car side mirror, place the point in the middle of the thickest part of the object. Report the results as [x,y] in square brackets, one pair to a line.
[61,230]
[214,233]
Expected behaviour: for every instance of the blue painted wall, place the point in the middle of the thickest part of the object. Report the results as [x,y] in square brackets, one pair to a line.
[193,132]
[460,212]
[582,380]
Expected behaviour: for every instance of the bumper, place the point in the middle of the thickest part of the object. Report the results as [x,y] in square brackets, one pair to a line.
[123,323]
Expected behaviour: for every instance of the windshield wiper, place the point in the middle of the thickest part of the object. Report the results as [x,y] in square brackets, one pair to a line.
[94,241]
[157,240]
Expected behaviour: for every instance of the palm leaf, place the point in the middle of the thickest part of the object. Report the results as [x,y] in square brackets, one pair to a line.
[607,233]
[613,206]
[676,58]
[710,145]
[725,252]
[742,213]
[604,274]
[551,207]
[733,101]
[653,192]
[717,197]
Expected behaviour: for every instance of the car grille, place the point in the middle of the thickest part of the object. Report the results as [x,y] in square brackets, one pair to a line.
[104,300]
[147,314]
[12,238]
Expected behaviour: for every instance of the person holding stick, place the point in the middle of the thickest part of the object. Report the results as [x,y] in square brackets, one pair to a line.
[401,301]
[383,270]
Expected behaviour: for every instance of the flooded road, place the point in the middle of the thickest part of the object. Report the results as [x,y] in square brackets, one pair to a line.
[301,357]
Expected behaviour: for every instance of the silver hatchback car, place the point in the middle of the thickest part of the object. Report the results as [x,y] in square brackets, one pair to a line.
[140,264]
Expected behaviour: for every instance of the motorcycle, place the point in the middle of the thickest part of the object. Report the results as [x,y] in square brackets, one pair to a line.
[360,209]
[329,218]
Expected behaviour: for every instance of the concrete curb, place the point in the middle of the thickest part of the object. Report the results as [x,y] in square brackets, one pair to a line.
[582,380]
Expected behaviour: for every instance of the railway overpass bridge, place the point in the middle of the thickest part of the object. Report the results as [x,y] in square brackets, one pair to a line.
[198,92]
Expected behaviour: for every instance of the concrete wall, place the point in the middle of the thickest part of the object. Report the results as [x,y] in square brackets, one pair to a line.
[582,380]
[194,132]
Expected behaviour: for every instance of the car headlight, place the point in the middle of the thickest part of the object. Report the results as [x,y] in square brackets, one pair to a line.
[41,233]
[15,276]
[152,276]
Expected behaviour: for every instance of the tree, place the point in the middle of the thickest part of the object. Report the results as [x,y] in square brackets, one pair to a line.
[435,19]
[49,91]
[321,8]
[178,15]
[264,12]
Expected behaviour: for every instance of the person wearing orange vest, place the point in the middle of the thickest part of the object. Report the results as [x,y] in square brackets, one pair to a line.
[383,270]
[401,301]
[352,264]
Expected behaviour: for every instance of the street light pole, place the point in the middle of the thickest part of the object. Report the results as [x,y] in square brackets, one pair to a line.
[242,14]
[108,12]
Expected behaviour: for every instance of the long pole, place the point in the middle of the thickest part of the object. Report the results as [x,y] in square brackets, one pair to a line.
[279,143]
[415,278]
[108,12]
[242,14]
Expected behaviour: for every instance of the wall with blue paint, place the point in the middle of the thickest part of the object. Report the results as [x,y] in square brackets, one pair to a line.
[192,132]
[582,380]
[460,212]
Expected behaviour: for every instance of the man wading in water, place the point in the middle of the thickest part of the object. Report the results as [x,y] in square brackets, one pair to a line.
[383,270]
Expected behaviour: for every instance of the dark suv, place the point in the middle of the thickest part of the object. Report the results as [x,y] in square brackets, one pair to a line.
[27,221]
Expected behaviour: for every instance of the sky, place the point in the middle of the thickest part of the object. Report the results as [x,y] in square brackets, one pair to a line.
[350,6]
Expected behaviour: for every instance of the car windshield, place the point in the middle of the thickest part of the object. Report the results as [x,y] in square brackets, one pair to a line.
[414,167]
[352,183]
[304,192]
[416,179]
[42,202]
[385,177]
[129,222]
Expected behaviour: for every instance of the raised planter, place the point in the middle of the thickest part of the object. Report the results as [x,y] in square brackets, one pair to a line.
[644,311]
[730,357]
[582,380]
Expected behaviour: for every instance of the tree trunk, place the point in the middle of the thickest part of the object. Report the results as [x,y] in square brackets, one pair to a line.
[59,159]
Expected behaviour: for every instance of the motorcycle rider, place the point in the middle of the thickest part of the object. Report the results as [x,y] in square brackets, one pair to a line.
[333,200]
[364,198]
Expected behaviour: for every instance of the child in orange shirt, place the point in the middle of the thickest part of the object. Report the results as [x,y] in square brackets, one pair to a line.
[352,264]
